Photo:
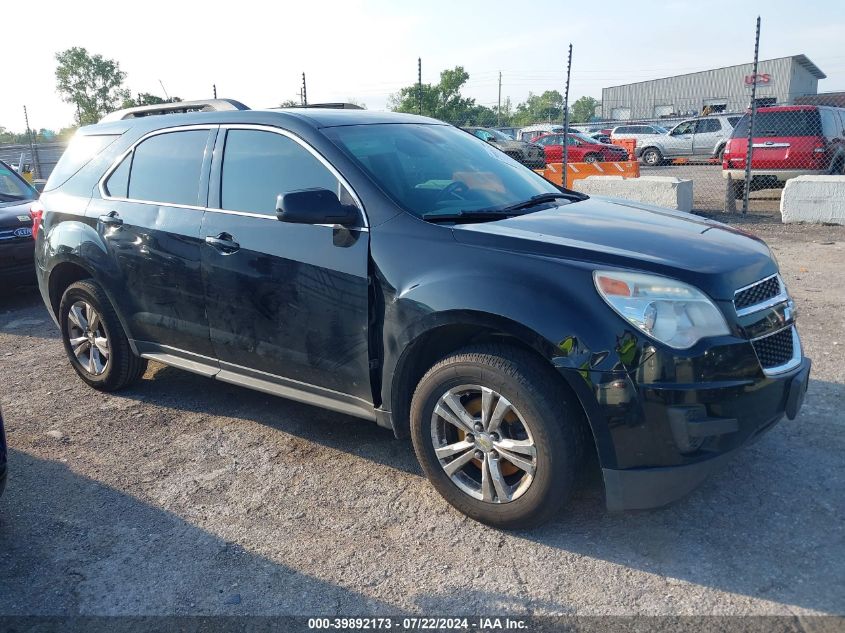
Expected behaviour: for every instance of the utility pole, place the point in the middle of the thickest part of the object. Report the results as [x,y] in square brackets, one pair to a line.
[303,95]
[566,120]
[748,150]
[419,85]
[214,88]
[36,167]
[499,108]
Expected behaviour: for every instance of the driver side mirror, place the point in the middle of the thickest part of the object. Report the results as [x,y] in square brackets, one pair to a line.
[314,206]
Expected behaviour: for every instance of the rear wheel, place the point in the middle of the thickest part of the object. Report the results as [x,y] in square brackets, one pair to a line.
[94,340]
[496,435]
[652,157]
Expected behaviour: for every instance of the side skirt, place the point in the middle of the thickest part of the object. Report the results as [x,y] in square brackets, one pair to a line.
[258,380]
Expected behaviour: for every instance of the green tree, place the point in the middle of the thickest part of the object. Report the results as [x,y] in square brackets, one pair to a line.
[289,103]
[584,109]
[146,98]
[544,108]
[443,100]
[92,83]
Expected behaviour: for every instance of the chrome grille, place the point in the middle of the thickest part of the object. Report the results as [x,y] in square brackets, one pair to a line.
[757,293]
[776,350]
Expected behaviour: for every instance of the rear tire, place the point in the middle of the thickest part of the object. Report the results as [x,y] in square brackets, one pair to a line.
[94,340]
[652,157]
[535,413]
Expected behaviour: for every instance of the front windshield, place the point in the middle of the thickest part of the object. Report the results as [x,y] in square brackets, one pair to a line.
[437,168]
[12,188]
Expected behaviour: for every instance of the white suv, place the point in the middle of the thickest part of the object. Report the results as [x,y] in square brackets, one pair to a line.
[702,137]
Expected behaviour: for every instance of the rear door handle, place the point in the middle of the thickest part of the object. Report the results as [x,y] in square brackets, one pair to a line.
[111,219]
[224,243]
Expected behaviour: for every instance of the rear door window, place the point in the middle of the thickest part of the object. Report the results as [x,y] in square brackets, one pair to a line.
[166,168]
[708,125]
[117,185]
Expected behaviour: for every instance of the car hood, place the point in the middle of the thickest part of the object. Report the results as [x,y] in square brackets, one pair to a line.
[11,212]
[714,257]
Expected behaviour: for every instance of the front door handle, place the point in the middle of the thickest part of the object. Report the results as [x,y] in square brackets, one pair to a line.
[111,219]
[224,243]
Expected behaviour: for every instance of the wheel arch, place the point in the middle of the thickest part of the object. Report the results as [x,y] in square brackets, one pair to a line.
[447,333]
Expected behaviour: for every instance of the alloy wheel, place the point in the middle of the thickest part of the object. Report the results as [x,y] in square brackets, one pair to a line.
[87,337]
[483,444]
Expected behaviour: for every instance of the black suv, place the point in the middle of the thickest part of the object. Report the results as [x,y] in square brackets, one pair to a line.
[395,268]
[16,198]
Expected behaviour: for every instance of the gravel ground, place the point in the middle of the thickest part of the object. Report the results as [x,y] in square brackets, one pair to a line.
[188,496]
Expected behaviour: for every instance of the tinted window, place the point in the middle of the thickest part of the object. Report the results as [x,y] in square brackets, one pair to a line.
[117,186]
[733,120]
[433,168]
[78,154]
[708,125]
[828,123]
[166,167]
[781,123]
[258,166]
[625,130]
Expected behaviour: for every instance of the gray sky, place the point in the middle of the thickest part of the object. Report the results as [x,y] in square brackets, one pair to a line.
[256,51]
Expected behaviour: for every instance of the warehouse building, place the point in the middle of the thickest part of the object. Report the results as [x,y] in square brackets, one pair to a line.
[779,81]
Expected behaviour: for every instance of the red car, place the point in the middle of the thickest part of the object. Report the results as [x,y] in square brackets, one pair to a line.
[787,141]
[582,149]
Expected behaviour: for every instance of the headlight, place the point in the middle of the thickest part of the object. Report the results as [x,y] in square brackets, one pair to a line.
[670,311]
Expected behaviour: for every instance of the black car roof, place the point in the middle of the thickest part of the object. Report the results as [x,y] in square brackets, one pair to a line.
[311,117]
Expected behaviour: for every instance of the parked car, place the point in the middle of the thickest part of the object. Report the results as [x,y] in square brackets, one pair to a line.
[788,141]
[638,133]
[601,137]
[529,154]
[395,268]
[16,245]
[533,132]
[701,138]
[3,468]
[582,149]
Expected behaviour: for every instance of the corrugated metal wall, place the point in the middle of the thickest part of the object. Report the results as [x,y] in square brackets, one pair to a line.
[687,94]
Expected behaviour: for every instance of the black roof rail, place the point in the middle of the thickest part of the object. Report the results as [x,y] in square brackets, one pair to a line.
[335,106]
[175,107]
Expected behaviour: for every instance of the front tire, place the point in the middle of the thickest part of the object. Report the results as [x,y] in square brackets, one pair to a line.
[652,157]
[592,158]
[94,340]
[496,435]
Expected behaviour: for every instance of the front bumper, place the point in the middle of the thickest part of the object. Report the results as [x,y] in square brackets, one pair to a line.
[662,427]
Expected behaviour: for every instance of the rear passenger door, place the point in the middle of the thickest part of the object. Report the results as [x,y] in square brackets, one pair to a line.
[287,303]
[149,214]
[708,133]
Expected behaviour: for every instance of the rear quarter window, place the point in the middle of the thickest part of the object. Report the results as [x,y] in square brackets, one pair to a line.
[81,150]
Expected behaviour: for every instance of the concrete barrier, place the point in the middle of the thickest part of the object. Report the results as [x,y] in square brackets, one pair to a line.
[661,191]
[814,199]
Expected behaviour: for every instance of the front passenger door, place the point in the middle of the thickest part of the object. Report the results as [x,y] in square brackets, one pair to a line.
[287,303]
[708,133]
[680,140]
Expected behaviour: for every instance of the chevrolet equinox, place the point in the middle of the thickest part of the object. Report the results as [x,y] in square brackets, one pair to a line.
[392,267]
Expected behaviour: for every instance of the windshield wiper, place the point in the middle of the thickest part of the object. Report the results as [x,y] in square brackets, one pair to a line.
[466,216]
[542,198]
